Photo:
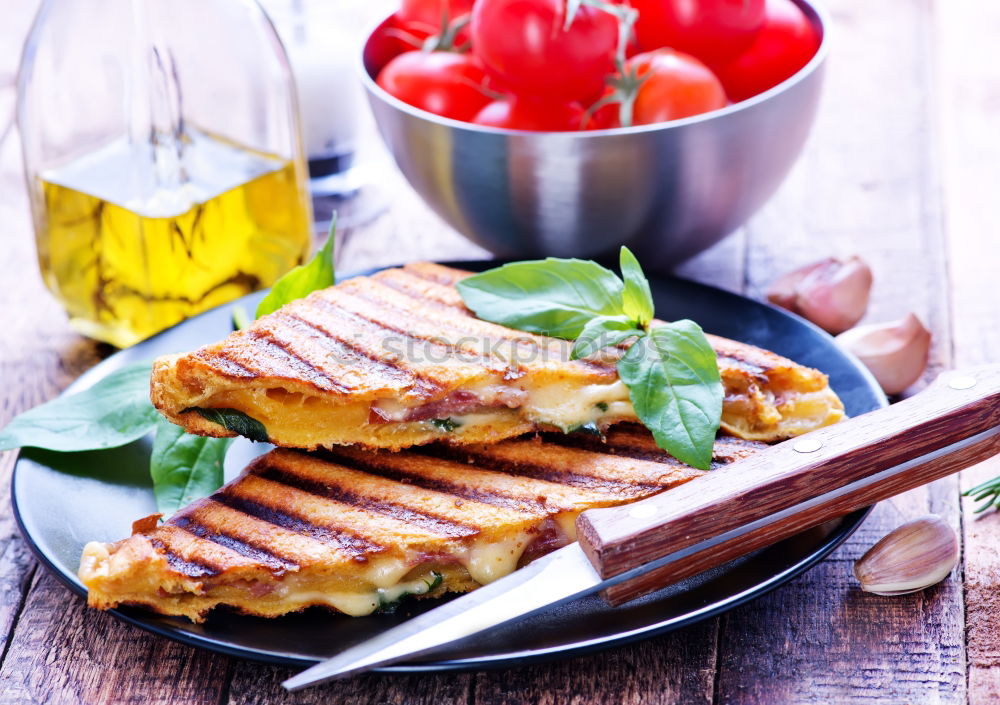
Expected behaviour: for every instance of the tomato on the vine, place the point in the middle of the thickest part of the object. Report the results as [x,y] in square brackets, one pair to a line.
[440,82]
[714,31]
[432,12]
[786,43]
[421,19]
[676,86]
[391,40]
[531,114]
[671,86]
[525,45]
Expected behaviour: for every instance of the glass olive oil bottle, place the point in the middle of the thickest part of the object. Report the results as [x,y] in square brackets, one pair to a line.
[173,179]
[125,269]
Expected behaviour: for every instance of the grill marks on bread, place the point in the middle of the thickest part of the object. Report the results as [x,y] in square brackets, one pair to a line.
[297,513]
[357,337]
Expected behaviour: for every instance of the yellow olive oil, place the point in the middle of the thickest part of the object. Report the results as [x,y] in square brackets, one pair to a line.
[132,242]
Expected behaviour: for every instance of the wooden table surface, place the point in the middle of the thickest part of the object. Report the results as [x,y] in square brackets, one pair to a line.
[902,168]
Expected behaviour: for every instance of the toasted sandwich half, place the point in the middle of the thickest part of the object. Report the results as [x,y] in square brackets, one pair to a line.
[396,360]
[356,530]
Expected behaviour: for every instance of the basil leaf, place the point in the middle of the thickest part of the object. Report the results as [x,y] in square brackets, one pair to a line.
[674,384]
[554,296]
[315,274]
[113,412]
[237,422]
[601,332]
[637,301]
[184,467]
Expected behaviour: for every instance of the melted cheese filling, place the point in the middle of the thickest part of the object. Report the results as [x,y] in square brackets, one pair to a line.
[568,406]
[382,583]
[297,419]
[363,602]
[307,422]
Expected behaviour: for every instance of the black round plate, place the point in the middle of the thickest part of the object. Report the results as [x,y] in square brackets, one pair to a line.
[61,501]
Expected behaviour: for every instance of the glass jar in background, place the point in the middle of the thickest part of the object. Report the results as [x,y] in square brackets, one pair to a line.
[163,159]
[323,39]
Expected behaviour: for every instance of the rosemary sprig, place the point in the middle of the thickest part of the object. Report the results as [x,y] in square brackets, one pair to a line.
[988,491]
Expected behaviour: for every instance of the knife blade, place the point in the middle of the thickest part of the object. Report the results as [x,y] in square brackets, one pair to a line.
[553,579]
[630,550]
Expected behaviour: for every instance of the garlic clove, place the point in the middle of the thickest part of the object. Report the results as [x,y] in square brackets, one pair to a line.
[896,353]
[784,290]
[914,556]
[835,296]
[832,293]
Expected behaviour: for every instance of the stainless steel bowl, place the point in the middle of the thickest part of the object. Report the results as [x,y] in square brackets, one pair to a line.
[668,191]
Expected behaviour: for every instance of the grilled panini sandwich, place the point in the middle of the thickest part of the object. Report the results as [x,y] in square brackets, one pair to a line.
[396,360]
[356,530]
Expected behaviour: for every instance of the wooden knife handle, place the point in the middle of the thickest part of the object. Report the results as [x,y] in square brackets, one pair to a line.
[757,500]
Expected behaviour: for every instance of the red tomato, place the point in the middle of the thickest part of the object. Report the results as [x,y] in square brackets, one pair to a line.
[421,19]
[675,86]
[786,43]
[524,45]
[388,43]
[432,12]
[439,82]
[528,114]
[715,31]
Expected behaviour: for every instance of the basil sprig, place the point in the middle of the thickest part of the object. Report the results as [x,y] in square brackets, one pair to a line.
[670,369]
[117,411]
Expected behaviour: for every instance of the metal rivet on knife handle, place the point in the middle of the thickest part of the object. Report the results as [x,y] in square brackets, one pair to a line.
[642,511]
[807,445]
[962,382]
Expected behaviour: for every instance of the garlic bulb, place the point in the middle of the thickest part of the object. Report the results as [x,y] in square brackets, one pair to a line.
[912,557]
[896,353]
[832,293]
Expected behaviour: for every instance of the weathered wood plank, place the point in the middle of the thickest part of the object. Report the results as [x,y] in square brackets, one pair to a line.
[724,265]
[866,185]
[254,684]
[969,98]
[63,652]
[676,668]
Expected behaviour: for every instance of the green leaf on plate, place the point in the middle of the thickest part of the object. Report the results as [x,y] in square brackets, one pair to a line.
[637,301]
[237,422]
[553,296]
[115,411]
[184,467]
[674,384]
[601,332]
[315,274]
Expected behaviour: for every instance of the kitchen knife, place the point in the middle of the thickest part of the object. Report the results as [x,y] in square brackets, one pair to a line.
[634,549]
